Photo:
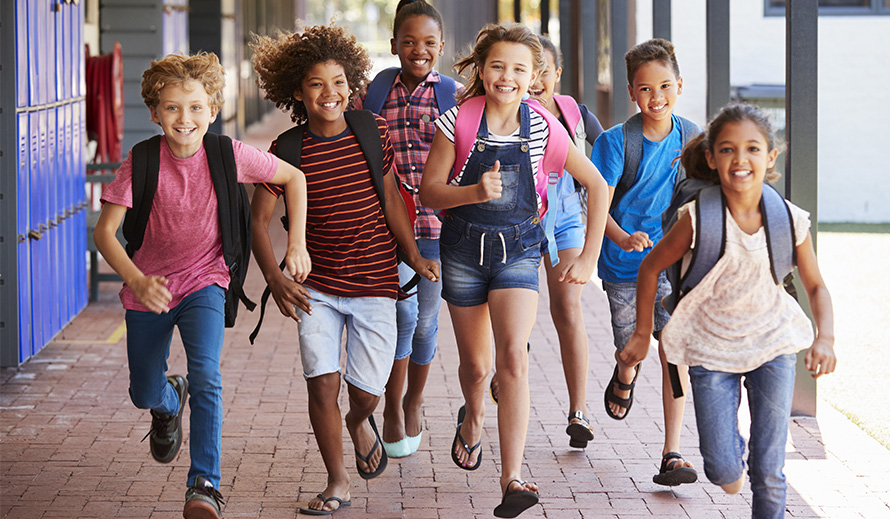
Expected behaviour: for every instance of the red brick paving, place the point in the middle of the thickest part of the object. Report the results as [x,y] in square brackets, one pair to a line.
[70,438]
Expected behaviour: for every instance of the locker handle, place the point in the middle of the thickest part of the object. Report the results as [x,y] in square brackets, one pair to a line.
[21,238]
[35,235]
[41,229]
[51,224]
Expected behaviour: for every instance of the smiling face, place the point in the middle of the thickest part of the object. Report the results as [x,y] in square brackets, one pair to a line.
[655,89]
[184,113]
[418,44]
[325,94]
[741,156]
[544,88]
[508,72]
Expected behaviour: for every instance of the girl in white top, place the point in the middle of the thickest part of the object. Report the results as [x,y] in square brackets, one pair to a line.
[737,323]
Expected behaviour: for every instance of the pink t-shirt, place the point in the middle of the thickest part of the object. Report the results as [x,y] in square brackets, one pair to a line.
[182,239]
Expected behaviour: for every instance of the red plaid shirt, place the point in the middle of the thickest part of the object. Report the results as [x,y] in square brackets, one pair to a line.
[411,118]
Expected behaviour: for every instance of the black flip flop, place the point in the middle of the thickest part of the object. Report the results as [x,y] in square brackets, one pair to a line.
[311,511]
[579,433]
[515,502]
[610,395]
[675,476]
[383,459]
[461,414]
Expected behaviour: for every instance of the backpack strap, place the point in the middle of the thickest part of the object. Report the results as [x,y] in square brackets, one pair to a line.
[571,112]
[779,228]
[444,90]
[710,241]
[379,88]
[146,164]
[466,127]
[364,126]
[632,129]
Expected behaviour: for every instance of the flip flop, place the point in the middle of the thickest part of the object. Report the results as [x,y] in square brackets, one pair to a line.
[515,502]
[610,395]
[579,433]
[671,477]
[325,500]
[461,414]
[383,459]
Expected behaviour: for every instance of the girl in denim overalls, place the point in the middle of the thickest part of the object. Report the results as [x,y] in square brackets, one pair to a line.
[492,239]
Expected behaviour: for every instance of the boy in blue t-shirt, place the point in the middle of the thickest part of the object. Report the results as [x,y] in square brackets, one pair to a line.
[634,227]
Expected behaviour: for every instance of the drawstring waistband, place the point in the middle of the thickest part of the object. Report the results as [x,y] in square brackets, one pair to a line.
[482,248]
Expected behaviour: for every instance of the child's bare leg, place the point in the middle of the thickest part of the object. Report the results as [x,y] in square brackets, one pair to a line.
[393,417]
[568,318]
[324,414]
[673,409]
[411,404]
[512,316]
[361,405]
[472,331]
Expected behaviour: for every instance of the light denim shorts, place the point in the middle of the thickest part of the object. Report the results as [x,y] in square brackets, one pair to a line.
[623,307]
[478,259]
[370,324]
[570,225]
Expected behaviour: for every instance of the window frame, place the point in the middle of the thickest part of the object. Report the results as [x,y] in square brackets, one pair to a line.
[874,8]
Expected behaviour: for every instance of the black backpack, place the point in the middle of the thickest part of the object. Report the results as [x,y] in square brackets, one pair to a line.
[364,126]
[233,204]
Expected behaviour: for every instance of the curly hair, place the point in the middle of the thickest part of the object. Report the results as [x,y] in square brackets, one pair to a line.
[489,35]
[281,63]
[177,69]
[693,157]
[657,49]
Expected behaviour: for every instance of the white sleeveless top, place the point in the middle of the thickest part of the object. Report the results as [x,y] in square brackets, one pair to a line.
[737,318]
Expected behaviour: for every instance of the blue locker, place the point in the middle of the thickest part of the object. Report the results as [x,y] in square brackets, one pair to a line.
[21,53]
[51,51]
[78,170]
[67,188]
[35,217]
[78,72]
[23,168]
[52,221]
[31,38]
[40,24]
[63,54]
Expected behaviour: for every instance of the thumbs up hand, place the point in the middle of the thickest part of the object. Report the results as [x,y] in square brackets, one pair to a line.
[490,185]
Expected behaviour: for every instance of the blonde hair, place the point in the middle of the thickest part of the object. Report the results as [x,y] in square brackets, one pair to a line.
[489,35]
[177,69]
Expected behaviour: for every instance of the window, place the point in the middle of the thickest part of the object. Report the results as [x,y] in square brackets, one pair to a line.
[836,7]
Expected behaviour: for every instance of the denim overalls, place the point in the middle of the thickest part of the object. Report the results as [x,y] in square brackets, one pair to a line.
[495,244]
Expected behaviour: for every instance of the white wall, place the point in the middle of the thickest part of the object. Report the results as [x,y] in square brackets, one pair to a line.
[854,83]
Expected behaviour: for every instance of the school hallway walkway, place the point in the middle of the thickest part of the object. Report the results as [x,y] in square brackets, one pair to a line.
[70,438]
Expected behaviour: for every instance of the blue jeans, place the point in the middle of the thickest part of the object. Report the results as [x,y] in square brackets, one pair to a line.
[717,396]
[418,316]
[200,318]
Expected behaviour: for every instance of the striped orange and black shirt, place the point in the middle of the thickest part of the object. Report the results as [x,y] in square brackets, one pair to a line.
[352,250]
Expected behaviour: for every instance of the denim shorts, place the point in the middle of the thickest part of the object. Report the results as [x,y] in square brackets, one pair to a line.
[477,259]
[570,225]
[623,307]
[370,324]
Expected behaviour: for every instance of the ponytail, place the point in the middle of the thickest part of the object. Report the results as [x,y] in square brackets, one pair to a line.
[695,162]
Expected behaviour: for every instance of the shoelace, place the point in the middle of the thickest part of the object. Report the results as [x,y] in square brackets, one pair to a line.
[211,492]
[158,424]
[482,248]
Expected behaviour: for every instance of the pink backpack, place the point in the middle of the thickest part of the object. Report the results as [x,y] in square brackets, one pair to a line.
[466,126]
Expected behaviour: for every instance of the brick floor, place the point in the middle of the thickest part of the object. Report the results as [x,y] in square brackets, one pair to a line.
[70,438]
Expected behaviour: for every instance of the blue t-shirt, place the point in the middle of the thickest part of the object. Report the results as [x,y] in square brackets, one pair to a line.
[641,207]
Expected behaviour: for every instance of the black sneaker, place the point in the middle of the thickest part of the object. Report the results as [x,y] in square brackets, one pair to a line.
[202,501]
[165,436]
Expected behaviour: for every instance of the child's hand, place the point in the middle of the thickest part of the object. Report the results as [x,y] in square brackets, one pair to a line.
[287,295]
[820,359]
[152,292]
[298,263]
[577,270]
[490,185]
[638,241]
[635,350]
[425,267]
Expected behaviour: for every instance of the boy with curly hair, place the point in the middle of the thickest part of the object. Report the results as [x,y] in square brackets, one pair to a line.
[178,276]
[352,239]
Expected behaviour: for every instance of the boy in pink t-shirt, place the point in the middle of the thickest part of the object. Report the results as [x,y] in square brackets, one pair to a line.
[178,276]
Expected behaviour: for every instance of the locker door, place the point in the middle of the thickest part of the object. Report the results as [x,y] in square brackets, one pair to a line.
[32,45]
[52,209]
[21,52]
[37,230]
[63,56]
[79,172]
[78,71]
[23,168]
[51,51]
[41,23]
[67,188]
